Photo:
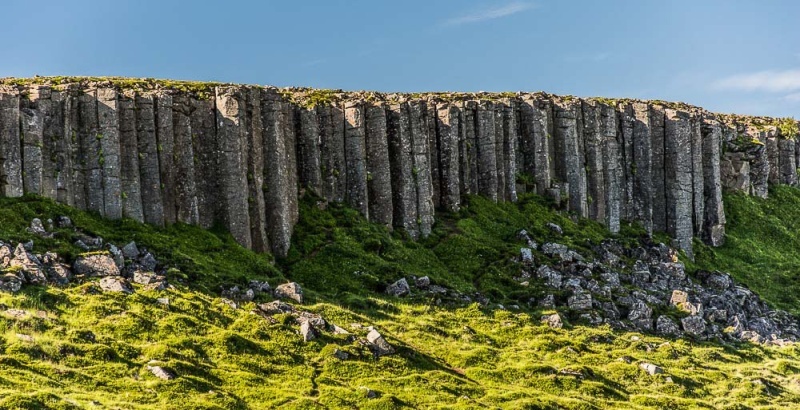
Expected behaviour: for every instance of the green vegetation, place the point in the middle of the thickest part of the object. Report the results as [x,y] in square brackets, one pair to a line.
[90,349]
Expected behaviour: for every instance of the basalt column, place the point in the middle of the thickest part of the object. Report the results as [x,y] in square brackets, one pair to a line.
[714,223]
[90,171]
[356,157]
[468,149]
[331,125]
[612,166]
[641,168]
[129,158]
[63,143]
[499,150]
[787,162]
[625,125]
[186,208]
[485,141]
[658,182]
[594,141]
[421,172]
[10,147]
[535,142]
[33,103]
[110,158]
[232,144]
[448,126]
[149,171]
[433,152]
[569,157]
[698,185]
[510,148]
[379,179]
[277,167]
[203,127]
[255,170]
[165,134]
[404,192]
[678,173]
[308,150]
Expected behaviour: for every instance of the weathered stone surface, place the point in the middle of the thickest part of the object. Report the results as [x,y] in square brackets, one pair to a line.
[115,284]
[355,154]
[277,194]
[625,126]
[186,207]
[379,179]
[203,126]
[130,177]
[448,127]
[378,344]
[291,291]
[60,127]
[160,372]
[651,369]
[404,192]
[399,288]
[421,171]
[569,158]
[433,152]
[714,212]
[499,150]
[486,146]
[31,123]
[580,301]
[694,325]
[95,265]
[233,135]
[678,173]
[309,150]
[165,136]
[89,171]
[641,167]
[149,171]
[10,147]
[698,184]
[787,162]
[331,125]
[535,141]
[594,147]
[255,170]
[657,146]
[510,148]
[110,160]
[612,168]
[554,321]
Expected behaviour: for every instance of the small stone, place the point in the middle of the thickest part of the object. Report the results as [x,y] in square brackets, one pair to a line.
[160,372]
[667,326]
[16,313]
[148,261]
[25,338]
[694,325]
[63,221]
[379,345]
[526,256]
[231,304]
[651,369]
[143,278]
[369,393]
[163,301]
[96,265]
[554,321]
[307,331]
[339,331]
[580,301]
[422,282]
[259,287]
[340,354]
[130,251]
[291,291]
[28,245]
[276,307]
[548,301]
[555,228]
[37,228]
[115,284]
[399,288]
[117,255]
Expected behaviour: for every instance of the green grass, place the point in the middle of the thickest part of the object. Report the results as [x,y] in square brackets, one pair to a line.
[90,349]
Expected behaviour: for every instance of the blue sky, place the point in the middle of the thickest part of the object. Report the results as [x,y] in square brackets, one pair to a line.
[729,56]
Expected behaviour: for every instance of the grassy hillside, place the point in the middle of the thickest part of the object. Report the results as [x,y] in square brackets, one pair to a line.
[90,349]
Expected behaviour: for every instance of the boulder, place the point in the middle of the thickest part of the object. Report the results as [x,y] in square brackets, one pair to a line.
[95,265]
[694,325]
[526,256]
[399,288]
[379,345]
[307,331]
[651,369]
[160,372]
[556,229]
[423,282]
[667,326]
[554,321]
[130,251]
[580,301]
[291,291]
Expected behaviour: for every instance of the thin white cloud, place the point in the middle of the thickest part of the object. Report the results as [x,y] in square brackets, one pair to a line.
[769,81]
[489,14]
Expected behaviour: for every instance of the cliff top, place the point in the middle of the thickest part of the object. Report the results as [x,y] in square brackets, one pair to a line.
[310,97]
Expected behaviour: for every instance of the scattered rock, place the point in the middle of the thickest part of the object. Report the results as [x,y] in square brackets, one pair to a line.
[307,331]
[130,251]
[276,307]
[160,372]
[115,284]
[37,228]
[694,325]
[554,321]
[667,326]
[379,345]
[25,338]
[117,255]
[399,288]
[422,282]
[95,265]
[291,291]
[526,256]
[148,261]
[63,222]
[555,228]
[524,236]
[340,354]
[651,369]
[15,313]
[259,286]
[163,301]
[580,301]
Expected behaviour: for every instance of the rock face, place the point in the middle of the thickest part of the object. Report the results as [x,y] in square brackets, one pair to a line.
[241,155]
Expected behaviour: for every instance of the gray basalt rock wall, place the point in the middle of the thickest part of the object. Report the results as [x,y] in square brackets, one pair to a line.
[241,156]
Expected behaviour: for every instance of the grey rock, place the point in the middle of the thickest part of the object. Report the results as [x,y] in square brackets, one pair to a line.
[307,331]
[130,251]
[63,221]
[160,372]
[148,261]
[290,290]
[694,325]
[552,277]
[115,284]
[95,265]
[555,228]
[379,345]
[423,282]
[340,354]
[548,302]
[666,326]
[116,253]
[554,321]
[580,301]
[651,369]
[526,256]
[259,286]
[37,228]
[399,288]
